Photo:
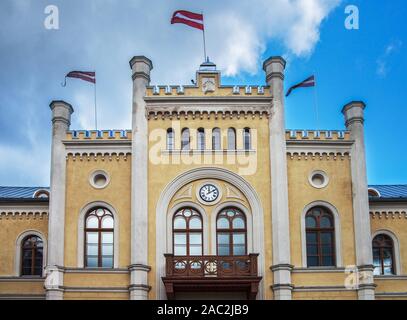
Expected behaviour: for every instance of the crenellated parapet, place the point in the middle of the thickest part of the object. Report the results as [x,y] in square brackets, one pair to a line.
[318,135]
[98,135]
[318,144]
[196,90]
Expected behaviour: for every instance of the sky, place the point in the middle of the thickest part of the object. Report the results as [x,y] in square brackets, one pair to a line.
[367,64]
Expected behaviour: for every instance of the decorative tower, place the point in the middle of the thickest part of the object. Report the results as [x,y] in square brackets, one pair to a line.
[139,268]
[281,267]
[61,120]
[354,119]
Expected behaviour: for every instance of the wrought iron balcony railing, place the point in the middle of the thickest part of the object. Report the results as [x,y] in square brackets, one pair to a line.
[211,266]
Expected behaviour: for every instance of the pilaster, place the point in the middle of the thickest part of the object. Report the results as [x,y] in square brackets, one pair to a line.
[354,120]
[61,120]
[274,68]
[141,68]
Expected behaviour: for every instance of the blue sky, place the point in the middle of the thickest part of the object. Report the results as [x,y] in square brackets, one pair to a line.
[368,64]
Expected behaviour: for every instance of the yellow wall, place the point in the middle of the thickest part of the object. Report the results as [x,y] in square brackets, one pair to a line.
[161,174]
[80,193]
[11,227]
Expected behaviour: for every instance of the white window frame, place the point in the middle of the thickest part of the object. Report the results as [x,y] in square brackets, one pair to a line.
[81,233]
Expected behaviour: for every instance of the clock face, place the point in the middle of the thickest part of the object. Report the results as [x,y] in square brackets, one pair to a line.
[209,193]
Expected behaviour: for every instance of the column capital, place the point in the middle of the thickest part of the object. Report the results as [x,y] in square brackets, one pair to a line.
[61,111]
[141,67]
[274,67]
[354,112]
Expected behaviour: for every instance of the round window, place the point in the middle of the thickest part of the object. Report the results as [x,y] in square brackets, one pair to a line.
[99,179]
[318,179]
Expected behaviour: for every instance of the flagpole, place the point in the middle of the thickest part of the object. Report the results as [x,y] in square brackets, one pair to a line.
[316,101]
[203,34]
[96,117]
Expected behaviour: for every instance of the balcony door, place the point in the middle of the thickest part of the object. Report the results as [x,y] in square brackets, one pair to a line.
[187,233]
[231,233]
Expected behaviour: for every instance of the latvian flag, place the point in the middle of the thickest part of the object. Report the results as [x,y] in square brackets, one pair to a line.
[191,19]
[83,75]
[309,82]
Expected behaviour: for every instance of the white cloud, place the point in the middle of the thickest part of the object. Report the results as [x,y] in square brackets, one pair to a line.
[382,63]
[104,35]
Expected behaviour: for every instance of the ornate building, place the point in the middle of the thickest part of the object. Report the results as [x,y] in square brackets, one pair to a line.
[208,196]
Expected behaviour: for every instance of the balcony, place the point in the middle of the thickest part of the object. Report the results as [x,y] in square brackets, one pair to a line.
[211,274]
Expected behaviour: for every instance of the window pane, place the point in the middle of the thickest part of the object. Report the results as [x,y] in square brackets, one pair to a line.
[107,237]
[387,257]
[239,250]
[107,250]
[223,223]
[326,238]
[377,271]
[310,222]
[180,250]
[312,250]
[311,237]
[388,271]
[107,223]
[327,261]
[223,250]
[180,223]
[239,239]
[107,262]
[238,223]
[92,222]
[92,262]
[231,139]
[92,249]
[38,271]
[195,238]
[327,250]
[92,237]
[223,239]
[325,222]
[195,223]
[180,238]
[312,261]
[195,250]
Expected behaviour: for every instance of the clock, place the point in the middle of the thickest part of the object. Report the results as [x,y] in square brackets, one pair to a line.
[209,193]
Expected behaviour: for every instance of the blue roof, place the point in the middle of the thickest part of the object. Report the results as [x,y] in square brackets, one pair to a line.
[19,192]
[391,191]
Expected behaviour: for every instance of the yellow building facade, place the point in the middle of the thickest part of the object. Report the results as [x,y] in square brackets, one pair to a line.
[208,196]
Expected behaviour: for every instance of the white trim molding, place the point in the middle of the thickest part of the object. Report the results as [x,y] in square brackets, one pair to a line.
[338,238]
[396,249]
[81,232]
[17,256]
[162,216]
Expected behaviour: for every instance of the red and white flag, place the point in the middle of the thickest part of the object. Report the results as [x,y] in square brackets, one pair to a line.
[88,76]
[309,82]
[194,20]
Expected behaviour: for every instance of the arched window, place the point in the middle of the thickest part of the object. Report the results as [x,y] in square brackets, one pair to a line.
[246,139]
[201,139]
[32,256]
[231,139]
[185,139]
[320,237]
[170,139]
[216,139]
[99,226]
[383,255]
[187,233]
[231,233]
